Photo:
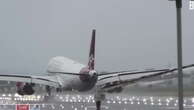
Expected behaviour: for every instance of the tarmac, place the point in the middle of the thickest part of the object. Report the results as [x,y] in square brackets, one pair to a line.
[86,102]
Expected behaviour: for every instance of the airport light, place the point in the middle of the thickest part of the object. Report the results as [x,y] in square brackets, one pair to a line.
[144,99]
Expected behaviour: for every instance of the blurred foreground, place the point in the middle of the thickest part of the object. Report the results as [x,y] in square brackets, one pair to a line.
[86,102]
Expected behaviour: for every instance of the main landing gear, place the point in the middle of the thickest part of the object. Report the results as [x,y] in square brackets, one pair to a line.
[48,90]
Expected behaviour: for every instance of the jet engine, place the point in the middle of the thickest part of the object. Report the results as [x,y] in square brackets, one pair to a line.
[25,89]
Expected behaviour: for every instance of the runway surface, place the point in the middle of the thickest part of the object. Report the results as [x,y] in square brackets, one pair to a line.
[86,102]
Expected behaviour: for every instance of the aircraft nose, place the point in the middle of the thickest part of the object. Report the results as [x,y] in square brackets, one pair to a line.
[93,73]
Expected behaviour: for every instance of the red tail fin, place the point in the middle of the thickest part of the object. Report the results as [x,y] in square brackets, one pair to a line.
[91,61]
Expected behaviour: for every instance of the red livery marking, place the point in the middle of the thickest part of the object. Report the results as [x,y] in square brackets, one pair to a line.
[23,107]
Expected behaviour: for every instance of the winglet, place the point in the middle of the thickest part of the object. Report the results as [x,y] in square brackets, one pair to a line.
[91,61]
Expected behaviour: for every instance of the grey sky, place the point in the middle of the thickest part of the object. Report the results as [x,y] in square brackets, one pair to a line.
[130,34]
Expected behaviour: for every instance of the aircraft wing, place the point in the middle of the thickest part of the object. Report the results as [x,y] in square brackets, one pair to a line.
[43,80]
[110,82]
[57,65]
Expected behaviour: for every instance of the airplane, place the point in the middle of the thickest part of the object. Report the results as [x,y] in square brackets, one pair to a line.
[65,74]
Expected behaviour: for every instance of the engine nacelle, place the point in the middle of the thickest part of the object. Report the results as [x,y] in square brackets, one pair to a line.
[27,89]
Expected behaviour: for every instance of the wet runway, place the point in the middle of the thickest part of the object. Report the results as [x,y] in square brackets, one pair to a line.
[86,102]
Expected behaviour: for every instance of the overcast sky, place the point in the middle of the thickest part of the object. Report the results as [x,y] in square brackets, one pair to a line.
[131,34]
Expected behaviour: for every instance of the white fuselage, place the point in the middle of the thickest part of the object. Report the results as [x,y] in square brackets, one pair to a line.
[70,82]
